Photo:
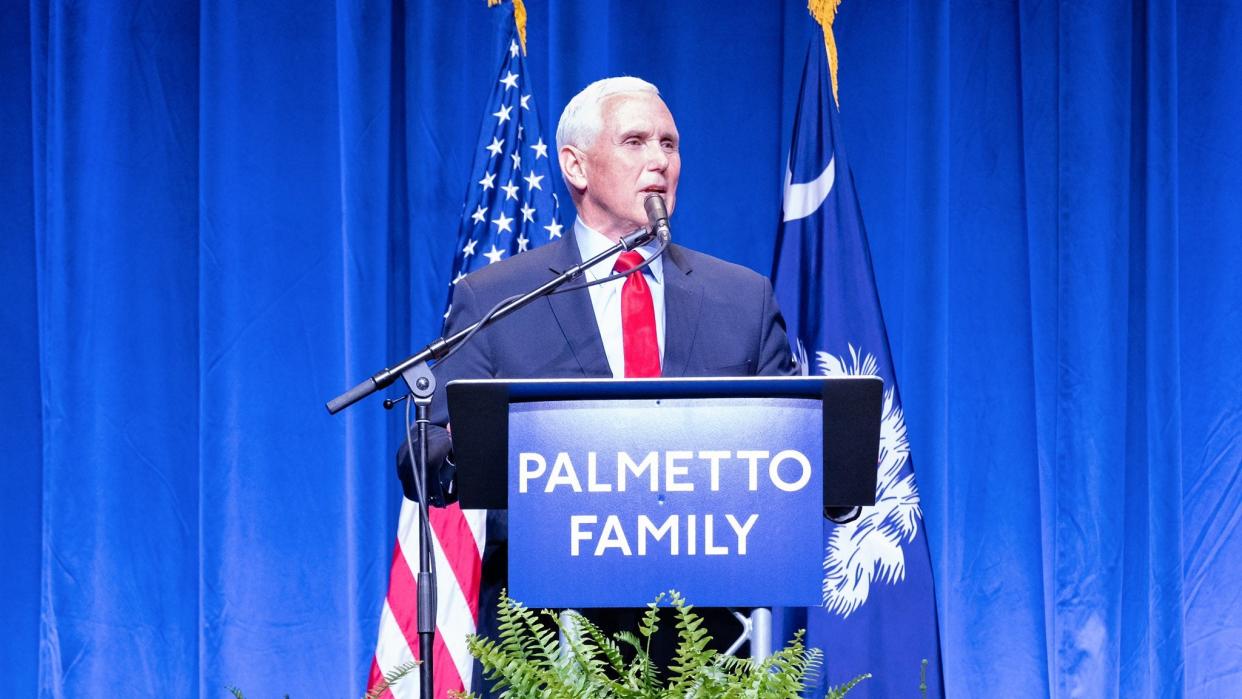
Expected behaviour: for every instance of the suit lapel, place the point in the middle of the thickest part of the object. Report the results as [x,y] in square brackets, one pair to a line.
[575,315]
[683,299]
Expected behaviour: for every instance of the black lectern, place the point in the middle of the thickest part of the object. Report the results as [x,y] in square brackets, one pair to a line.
[711,486]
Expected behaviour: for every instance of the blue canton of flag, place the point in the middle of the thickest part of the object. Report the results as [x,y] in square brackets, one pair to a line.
[879,610]
[510,206]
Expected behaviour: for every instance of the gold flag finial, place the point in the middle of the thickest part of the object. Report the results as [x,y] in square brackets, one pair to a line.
[824,12]
[519,18]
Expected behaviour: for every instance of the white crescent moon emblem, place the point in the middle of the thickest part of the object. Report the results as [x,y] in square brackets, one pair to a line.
[802,200]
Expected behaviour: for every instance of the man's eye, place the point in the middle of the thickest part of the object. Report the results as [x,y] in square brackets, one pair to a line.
[633,141]
[668,146]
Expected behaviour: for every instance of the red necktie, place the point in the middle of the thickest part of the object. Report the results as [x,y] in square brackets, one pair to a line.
[638,325]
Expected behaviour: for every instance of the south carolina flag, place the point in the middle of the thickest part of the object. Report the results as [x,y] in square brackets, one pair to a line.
[879,613]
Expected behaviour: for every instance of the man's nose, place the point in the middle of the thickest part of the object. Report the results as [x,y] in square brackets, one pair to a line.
[657,159]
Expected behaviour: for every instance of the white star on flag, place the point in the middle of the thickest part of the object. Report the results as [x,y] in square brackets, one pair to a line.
[511,191]
[488,181]
[502,223]
[503,113]
[509,80]
[533,180]
[469,249]
[525,101]
[540,148]
[554,230]
[523,242]
[517,159]
[494,254]
[528,212]
[479,215]
[497,145]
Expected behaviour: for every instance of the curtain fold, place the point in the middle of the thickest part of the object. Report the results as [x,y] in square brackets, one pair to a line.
[298,243]
[1118,552]
[21,437]
[1209,321]
[116,193]
[219,215]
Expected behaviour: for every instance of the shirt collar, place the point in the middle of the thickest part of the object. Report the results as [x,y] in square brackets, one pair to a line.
[592,242]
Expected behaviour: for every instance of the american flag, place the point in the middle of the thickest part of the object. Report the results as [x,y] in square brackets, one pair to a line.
[509,208]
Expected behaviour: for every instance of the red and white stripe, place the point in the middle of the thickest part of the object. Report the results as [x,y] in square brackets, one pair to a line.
[457,538]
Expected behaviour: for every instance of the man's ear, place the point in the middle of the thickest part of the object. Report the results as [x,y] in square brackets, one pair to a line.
[573,167]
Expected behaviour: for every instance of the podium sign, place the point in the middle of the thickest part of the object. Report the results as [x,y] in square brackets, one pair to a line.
[613,501]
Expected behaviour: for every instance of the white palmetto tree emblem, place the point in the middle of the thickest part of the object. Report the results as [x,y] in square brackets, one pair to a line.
[869,549]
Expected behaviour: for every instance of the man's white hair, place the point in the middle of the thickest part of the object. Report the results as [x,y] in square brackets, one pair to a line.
[583,117]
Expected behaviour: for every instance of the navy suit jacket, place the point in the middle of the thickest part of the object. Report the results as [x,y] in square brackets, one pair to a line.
[721,319]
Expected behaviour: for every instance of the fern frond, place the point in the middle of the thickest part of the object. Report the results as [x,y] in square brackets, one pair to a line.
[585,659]
[651,618]
[692,641]
[839,691]
[391,678]
[607,647]
[642,673]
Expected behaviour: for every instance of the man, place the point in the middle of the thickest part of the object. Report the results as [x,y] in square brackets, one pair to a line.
[617,144]
[687,314]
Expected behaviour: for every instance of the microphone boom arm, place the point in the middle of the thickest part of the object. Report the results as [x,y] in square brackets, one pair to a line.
[441,347]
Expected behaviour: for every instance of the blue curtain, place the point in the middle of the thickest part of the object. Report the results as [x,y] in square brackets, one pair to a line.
[218,215]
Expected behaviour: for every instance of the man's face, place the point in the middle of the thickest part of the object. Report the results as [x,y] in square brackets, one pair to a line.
[634,155]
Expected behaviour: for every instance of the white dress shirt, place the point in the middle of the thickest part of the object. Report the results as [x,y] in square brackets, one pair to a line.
[606,298]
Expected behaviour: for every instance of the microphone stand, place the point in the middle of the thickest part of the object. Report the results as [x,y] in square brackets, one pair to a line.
[416,373]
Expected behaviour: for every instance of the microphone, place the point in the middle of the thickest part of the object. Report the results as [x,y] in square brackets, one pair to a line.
[657,216]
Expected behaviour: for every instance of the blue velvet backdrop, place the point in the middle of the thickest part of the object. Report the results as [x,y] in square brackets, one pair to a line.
[218,215]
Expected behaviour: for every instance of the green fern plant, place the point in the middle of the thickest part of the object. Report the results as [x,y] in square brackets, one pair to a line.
[526,661]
